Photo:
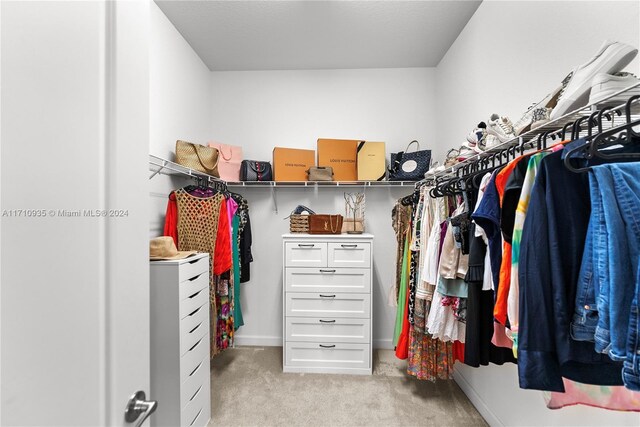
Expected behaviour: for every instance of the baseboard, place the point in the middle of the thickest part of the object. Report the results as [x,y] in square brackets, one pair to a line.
[385,344]
[476,400]
[258,341]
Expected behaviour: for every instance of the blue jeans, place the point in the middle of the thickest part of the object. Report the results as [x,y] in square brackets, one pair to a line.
[617,234]
[585,316]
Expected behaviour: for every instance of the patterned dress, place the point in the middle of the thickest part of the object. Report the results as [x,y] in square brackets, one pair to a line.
[197,225]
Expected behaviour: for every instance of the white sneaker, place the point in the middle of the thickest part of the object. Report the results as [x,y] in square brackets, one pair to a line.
[476,136]
[471,146]
[491,142]
[501,128]
[535,110]
[611,58]
[540,117]
[605,85]
[432,170]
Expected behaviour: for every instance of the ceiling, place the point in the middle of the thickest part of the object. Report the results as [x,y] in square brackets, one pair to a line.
[298,35]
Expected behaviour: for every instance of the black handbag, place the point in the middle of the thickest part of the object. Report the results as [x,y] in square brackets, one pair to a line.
[405,166]
[253,170]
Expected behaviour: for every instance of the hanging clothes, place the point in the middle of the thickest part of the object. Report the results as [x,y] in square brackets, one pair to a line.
[551,249]
[201,223]
[237,308]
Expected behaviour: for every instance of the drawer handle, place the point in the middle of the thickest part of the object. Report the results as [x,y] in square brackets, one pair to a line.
[196,344]
[196,368]
[327,321]
[195,394]
[196,418]
[195,277]
[349,246]
[194,311]
[199,324]
[327,271]
[196,260]
[327,296]
[305,245]
[195,295]
[327,346]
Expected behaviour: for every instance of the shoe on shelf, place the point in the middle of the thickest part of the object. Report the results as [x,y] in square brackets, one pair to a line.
[501,128]
[452,157]
[605,85]
[432,170]
[491,143]
[523,124]
[470,146]
[536,110]
[541,116]
[611,58]
[465,153]
[476,136]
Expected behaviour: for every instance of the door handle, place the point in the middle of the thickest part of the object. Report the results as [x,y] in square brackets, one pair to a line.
[349,246]
[301,245]
[137,406]
[327,271]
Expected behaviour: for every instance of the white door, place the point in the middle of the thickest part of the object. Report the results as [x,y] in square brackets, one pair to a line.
[74,301]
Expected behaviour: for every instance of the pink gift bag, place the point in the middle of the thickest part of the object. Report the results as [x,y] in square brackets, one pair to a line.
[229,159]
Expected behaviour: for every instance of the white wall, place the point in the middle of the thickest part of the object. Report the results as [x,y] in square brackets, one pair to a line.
[512,53]
[509,55]
[263,109]
[180,100]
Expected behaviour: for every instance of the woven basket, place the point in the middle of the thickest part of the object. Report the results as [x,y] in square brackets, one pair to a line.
[299,223]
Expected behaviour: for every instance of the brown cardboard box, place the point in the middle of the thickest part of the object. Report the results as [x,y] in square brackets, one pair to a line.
[290,164]
[371,161]
[341,155]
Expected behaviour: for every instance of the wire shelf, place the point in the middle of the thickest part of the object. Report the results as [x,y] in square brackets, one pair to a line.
[616,101]
[158,165]
[303,184]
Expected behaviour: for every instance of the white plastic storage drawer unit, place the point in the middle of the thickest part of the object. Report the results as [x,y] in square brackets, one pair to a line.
[327,303]
[180,376]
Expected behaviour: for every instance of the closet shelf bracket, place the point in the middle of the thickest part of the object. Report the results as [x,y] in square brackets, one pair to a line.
[273,197]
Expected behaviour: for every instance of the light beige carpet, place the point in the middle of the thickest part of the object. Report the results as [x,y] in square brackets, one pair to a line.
[248,388]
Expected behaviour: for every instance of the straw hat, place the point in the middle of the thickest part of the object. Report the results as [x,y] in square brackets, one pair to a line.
[164,248]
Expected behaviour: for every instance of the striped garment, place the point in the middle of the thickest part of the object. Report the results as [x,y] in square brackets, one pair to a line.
[521,212]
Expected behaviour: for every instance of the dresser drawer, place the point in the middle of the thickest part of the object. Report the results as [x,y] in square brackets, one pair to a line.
[202,417]
[193,302]
[191,286]
[193,383]
[327,355]
[328,305]
[314,329]
[356,255]
[328,280]
[193,327]
[190,269]
[305,254]
[192,411]
[191,359]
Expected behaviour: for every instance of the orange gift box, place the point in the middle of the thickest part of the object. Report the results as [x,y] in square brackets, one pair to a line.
[291,164]
[341,155]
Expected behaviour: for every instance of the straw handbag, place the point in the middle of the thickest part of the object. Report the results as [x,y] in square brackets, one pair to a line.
[197,157]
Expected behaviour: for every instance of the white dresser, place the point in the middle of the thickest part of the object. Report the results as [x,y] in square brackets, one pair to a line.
[180,375]
[327,303]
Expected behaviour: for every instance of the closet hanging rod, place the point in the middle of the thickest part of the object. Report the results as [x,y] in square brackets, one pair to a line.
[158,165]
[616,102]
